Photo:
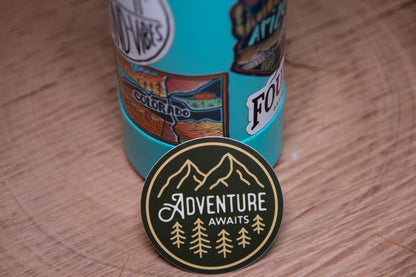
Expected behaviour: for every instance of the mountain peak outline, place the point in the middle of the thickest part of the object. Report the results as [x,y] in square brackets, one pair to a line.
[228,166]
[188,171]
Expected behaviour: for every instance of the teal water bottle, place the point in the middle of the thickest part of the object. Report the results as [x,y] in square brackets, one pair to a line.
[190,69]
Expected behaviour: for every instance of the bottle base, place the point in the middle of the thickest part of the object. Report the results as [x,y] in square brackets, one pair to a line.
[144,150]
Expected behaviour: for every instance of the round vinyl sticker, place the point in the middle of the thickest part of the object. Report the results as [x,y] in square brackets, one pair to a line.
[142,30]
[212,205]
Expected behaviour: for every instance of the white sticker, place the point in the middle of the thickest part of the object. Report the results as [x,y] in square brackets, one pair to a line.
[142,30]
[263,104]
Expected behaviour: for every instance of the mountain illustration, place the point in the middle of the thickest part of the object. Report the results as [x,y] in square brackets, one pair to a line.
[189,175]
[224,170]
[228,168]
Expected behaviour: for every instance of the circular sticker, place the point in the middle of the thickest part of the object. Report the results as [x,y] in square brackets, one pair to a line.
[212,205]
[142,30]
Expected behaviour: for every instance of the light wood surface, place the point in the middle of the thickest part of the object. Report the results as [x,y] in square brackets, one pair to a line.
[69,199]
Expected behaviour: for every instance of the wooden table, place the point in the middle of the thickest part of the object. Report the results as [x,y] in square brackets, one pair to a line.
[70,200]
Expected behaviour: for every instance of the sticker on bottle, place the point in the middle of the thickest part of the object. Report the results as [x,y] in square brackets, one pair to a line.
[142,30]
[263,104]
[259,27]
[174,108]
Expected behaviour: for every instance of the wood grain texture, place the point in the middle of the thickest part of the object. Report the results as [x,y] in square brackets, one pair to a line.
[69,200]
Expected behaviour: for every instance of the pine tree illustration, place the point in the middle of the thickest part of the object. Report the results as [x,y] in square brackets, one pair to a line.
[200,242]
[258,224]
[177,235]
[243,238]
[224,243]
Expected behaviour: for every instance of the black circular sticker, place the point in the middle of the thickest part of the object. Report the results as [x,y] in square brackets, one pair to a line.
[212,205]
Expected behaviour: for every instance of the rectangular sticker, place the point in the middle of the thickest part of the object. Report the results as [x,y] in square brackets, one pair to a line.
[263,104]
[174,108]
[259,27]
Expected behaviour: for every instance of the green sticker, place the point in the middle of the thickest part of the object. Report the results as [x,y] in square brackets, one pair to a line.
[212,205]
